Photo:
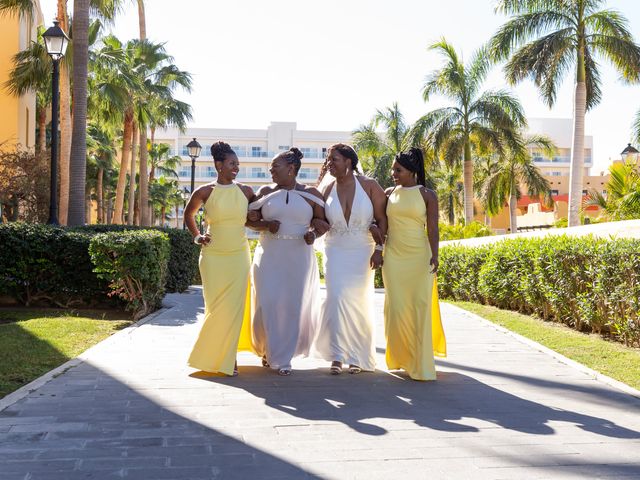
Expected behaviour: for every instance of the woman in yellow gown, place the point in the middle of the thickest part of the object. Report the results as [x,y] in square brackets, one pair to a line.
[413,326]
[224,265]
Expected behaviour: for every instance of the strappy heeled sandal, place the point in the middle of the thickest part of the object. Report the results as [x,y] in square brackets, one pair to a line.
[265,364]
[284,372]
[336,368]
[354,369]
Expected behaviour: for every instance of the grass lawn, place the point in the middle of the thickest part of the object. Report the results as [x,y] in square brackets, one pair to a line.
[610,358]
[34,341]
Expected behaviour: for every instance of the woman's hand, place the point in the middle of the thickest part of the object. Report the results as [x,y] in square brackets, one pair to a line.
[320,226]
[204,239]
[310,237]
[376,260]
[254,216]
[274,226]
[434,264]
[376,233]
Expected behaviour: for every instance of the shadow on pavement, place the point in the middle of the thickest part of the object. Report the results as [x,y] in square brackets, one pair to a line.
[367,401]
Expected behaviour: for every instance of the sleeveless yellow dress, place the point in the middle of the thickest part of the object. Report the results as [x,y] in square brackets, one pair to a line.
[413,326]
[224,268]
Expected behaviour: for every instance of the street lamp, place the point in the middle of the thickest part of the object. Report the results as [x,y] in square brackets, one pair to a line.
[194,149]
[56,42]
[185,196]
[629,153]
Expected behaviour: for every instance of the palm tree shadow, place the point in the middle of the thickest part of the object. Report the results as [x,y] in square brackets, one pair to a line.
[369,403]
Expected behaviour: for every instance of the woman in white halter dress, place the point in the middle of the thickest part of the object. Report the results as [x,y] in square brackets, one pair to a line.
[286,284]
[346,331]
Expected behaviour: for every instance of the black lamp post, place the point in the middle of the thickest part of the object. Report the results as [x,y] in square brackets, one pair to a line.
[185,196]
[629,153]
[194,149]
[56,42]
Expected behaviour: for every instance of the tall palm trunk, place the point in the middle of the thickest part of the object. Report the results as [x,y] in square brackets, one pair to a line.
[42,129]
[467,168]
[577,155]
[145,208]
[142,21]
[124,165]
[100,195]
[163,214]
[513,217]
[65,123]
[452,217]
[132,176]
[87,207]
[78,162]
[177,219]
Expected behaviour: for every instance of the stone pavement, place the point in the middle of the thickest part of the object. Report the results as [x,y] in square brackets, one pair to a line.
[500,410]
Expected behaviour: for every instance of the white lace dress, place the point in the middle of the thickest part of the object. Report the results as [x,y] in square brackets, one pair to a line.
[346,331]
[286,284]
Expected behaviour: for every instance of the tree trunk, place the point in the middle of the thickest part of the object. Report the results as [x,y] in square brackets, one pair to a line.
[452,217]
[142,22]
[65,124]
[163,214]
[513,217]
[78,163]
[468,183]
[577,155]
[177,215]
[42,130]
[124,164]
[132,177]
[145,209]
[100,195]
[87,208]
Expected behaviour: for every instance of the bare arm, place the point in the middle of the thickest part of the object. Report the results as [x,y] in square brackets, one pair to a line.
[379,201]
[197,199]
[431,201]
[256,222]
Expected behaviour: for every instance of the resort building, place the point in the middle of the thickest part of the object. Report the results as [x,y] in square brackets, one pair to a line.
[255,149]
[18,122]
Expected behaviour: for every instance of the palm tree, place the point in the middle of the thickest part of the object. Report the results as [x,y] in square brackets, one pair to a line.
[78,160]
[378,149]
[101,151]
[450,190]
[161,162]
[544,40]
[491,116]
[636,128]
[163,194]
[513,169]
[622,200]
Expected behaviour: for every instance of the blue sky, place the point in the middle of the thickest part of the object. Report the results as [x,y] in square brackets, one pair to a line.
[329,64]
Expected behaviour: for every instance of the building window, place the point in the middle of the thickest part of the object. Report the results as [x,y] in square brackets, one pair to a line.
[308,173]
[283,147]
[256,151]
[210,172]
[184,172]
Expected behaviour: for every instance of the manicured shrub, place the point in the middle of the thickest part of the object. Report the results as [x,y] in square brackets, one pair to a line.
[135,265]
[183,259]
[591,284]
[46,265]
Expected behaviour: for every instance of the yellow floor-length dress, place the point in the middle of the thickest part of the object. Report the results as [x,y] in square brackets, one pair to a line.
[224,268]
[413,326]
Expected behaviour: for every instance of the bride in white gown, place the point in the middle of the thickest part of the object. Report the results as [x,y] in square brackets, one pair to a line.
[286,284]
[352,202]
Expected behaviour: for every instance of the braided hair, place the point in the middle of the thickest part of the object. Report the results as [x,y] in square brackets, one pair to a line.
[344,150]
[293,156]
[220,150]
[413,160]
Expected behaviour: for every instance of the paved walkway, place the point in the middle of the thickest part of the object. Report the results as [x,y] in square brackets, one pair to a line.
[500,409]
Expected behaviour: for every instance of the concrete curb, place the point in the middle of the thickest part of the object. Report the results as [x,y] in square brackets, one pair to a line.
[567,361]
[22,392]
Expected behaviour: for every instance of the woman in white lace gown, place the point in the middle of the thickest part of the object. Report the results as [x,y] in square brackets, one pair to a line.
[352,202]
[286,284]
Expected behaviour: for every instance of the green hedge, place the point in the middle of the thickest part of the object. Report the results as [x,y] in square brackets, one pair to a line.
[41,264]
[591,284]
[183,259]
[135,264]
